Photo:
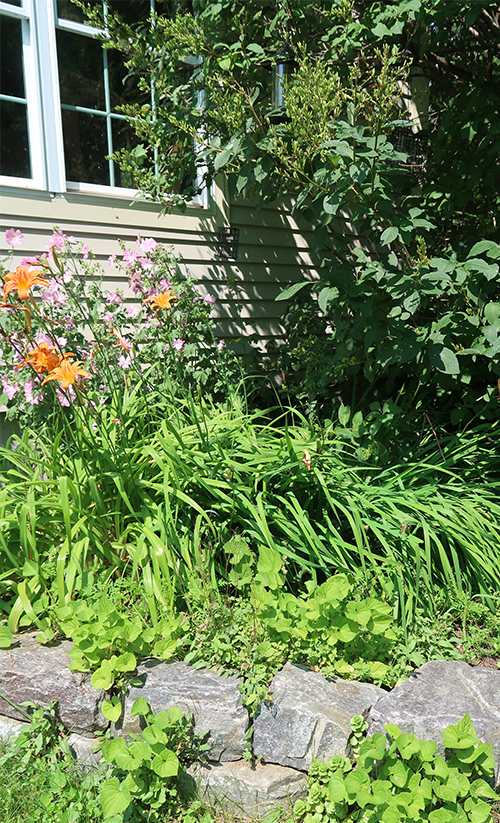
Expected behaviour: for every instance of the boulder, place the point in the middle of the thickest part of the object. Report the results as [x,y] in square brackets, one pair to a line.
[439,694]
[10,728]
[249,790]
[214,701]
[308,716]
[30,671]
[83,750]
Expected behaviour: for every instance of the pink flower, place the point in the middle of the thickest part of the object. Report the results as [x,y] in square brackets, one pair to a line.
[29,261]
[69,323]
[220,345]
[146,263]
[210,299]
[10,389]
[67,277]
[65,397]
[113,297]
[31,398]
[133,312]
[108,317]
[178,345]
[58,240]
[148,245]
[85,251]
[164,285]
[13,237]
[112,259]
[124,361]
[54,295]
[130,257]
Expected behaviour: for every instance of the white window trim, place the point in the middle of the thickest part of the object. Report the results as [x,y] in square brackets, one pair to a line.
[45,134]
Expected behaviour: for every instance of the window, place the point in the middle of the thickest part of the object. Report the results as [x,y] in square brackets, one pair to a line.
[59,94]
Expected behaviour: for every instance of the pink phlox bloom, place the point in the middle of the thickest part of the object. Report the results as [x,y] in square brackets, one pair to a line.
[164,285]
[178,345]
[62,341]
[124,361]
[138,239]
[113,297]
[210,299]
[85,251]
[58,240]
[32,398]
[54,294]
[41,337]
[148,245]
[108,317]
[67,277]
[112,259]
[133,312]
[146,263]
[130,257]
[14,237]
[10,388]
[65,397]
[220,345]
[29,261]
[167,346]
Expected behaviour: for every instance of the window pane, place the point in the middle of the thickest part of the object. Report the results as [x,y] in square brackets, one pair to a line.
[121,92]
[132,10]
[11,57]
[123,138]
[68,11]
[85,148]
[14,144]
[80,70]
[14,2]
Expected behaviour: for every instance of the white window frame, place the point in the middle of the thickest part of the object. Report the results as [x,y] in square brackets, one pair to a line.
[45,133]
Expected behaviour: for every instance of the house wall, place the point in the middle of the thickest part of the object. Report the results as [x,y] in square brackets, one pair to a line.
[273,248]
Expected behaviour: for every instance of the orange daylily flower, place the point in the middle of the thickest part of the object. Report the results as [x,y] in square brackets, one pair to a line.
[162,300]
[22,280]
[66,373]
[44,358]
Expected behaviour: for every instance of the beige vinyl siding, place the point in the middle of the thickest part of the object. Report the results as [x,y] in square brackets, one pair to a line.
[273,248]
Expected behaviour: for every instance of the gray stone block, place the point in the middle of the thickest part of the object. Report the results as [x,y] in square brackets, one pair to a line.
[439,694]
[308,716]
[30,671]
[249,791]
[82,749]
[214,701]
[10,728]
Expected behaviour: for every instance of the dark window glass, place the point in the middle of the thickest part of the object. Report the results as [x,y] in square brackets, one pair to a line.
[122,90]
[123,138]
[11,57]
[67,11]
[14,2]
[85,148]
[14,143]
[80,64]
[131,11]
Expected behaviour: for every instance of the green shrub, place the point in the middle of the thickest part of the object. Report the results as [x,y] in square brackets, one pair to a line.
[406,781]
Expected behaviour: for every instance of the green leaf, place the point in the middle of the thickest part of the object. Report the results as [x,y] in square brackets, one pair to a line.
[444,360]
[326,297]
[256,48]
[114,799]
[291,291]
[462,735]
[389,235]
[5,637]
[165,764]
[492,249]
[112,709]
[336,788]
[491,312]
[140,707]
[125,662]
[344,415]
[331,203]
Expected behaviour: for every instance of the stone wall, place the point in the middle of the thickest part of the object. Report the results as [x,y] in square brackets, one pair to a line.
[304,716]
